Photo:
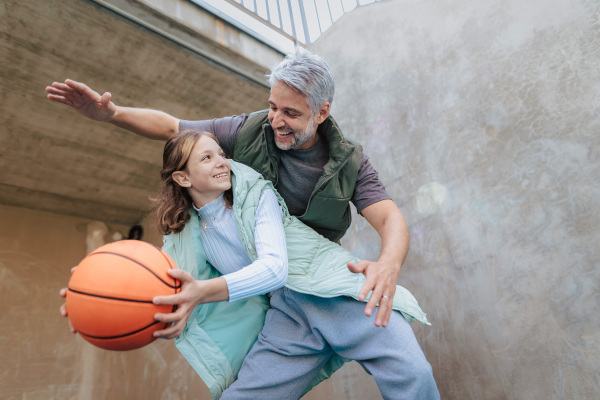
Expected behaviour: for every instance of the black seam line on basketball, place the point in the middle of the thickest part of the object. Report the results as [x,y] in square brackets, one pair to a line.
[168,260]
[162,254]
[118,336]
[137,262]
[110,297]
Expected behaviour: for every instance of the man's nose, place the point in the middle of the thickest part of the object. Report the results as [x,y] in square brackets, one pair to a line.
[277,121]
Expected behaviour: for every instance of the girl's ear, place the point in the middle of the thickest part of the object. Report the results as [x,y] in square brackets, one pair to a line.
[181,178]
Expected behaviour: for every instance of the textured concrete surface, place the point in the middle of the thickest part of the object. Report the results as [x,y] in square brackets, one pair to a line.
[55,160]
[483,118]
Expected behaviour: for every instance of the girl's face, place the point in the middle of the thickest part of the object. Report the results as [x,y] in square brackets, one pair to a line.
[208,173]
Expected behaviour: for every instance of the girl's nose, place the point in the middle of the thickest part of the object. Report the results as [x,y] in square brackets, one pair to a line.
[221,162]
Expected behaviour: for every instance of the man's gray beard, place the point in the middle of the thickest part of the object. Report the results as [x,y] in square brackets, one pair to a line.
[299,138]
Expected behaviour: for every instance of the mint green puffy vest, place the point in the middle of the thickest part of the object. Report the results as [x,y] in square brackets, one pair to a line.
[219,335]
[328,211]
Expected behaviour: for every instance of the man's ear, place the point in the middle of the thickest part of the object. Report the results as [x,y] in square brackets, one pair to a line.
[323,112]
[181,179]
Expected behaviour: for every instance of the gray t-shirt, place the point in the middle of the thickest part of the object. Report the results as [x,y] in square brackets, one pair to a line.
[296,188]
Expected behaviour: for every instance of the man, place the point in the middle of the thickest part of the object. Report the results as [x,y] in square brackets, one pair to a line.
[300,148]
[296,134]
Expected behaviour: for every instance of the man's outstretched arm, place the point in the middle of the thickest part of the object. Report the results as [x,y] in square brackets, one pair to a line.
[383,274]
[151,124]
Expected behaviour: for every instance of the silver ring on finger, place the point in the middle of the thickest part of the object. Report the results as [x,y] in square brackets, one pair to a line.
[385,297]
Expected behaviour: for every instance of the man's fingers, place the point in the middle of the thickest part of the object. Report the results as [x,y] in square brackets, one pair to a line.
[55,91]
[366,288]
[384,305]
[384,311]
[59,86]
[64,90]
[355,268]
[82,89]
[359,267]
[62,93]
[105,100]
[369,287]
[371,304]
[60,99]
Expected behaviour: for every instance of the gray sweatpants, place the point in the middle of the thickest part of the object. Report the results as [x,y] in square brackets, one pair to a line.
[302,331]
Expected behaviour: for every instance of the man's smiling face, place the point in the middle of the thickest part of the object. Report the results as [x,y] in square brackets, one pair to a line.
[293,122]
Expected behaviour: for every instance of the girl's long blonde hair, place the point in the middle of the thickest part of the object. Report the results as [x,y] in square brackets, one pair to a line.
[173,203]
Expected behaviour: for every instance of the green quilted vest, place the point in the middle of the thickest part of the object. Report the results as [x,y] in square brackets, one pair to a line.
[328,211]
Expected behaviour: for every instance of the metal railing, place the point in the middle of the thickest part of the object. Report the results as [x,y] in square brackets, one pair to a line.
[283,24]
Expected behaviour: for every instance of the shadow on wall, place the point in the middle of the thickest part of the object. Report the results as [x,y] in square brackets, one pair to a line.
[482,119]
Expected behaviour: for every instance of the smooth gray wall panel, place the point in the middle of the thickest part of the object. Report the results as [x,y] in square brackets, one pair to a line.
[482,118]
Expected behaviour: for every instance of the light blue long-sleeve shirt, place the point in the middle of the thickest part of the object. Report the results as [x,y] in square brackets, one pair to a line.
[225,252]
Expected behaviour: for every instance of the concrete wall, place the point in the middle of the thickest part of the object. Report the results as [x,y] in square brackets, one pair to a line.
[483,119]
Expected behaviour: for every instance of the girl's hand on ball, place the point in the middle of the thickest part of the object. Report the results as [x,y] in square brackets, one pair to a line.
[185,301]
[193,292]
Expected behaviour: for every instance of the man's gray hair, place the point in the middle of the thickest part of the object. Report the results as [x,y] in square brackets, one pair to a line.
[308,74]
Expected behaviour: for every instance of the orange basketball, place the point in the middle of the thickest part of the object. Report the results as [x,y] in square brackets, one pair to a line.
[110,294]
